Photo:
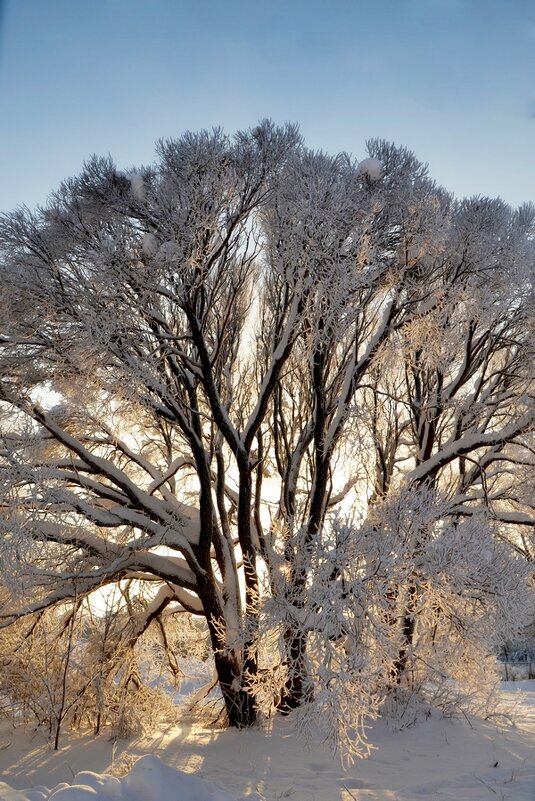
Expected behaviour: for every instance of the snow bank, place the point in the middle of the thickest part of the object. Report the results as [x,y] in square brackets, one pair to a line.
[149,780]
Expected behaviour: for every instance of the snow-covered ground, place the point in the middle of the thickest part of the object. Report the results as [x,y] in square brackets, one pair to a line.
[434,760]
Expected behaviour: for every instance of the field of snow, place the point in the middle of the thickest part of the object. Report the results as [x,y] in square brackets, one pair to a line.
[433,760]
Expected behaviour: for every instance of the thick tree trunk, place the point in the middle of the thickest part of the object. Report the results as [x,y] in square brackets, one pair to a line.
[231,667]
[239,701]
[234,666]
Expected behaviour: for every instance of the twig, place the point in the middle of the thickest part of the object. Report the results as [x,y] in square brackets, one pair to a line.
[485,783]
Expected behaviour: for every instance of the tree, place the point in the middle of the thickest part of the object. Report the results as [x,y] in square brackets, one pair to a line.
[464,384]
[137,293]
[204,360]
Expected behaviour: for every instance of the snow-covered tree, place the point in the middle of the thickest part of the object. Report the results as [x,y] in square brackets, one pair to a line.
[202,361]
[129,297]
[454,411]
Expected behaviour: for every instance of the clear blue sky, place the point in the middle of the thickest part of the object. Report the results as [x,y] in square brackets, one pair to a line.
[454,80]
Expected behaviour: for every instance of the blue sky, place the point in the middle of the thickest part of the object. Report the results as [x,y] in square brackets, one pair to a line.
[454,80]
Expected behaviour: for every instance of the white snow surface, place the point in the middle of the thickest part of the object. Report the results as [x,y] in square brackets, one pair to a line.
[439,759]
[371,168]
[150,779]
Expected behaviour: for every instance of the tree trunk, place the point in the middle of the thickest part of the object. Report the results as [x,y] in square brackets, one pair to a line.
[240,704]
[407,633]
[298,687]
[231,667]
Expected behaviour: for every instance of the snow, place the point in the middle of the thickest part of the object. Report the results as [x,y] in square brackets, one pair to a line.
[439,759]
[149,244]
[148,780]
[137,185]
[370,168]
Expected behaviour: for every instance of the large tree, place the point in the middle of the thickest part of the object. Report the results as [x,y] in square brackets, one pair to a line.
[202,360]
